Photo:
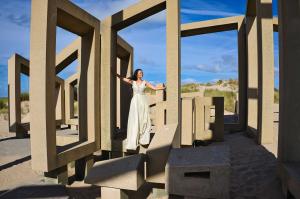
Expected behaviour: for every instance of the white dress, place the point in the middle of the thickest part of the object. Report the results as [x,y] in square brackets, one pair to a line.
[139,124]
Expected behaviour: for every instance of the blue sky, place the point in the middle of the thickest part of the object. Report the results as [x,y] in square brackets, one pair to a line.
[205,58]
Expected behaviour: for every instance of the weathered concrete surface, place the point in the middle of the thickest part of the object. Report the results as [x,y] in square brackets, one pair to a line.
[158,153]
[253,169]
[201,171]
[108,193]
[289,125]
[120,173]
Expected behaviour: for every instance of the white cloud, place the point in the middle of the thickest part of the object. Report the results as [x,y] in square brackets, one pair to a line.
[189,80]
[209,12]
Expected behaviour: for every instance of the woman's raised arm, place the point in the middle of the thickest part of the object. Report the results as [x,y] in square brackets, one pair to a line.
[126,80]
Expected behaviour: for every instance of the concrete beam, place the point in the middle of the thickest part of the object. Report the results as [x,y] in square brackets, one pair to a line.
[136,13]
[210,26]
[124,48]
[81,23]
[69,54]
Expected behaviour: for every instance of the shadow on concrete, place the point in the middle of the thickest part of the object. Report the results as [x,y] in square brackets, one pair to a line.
[16,162]
[36,191]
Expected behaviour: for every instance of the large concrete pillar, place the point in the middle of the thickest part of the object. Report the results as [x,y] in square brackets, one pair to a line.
[173,64]
[14,89]
[289,84]
[242,64]
[42,84]
[108,83]
[265,71]
[251,30]
[289,103]
[125,92]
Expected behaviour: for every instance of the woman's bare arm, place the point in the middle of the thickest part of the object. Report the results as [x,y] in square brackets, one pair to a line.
[126,80]
[160,87]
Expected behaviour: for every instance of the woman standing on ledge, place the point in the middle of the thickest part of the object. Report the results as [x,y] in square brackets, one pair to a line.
[139,124]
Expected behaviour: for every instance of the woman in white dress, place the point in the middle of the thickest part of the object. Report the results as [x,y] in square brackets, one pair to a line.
[139,124]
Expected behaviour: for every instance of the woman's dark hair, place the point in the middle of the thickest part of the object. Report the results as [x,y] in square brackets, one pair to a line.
[134,76]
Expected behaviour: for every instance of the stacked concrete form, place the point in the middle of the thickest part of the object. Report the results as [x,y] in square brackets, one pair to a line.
[103,100]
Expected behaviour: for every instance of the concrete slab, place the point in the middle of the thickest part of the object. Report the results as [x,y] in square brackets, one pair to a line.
[121,173]
[158,153]
[199,172]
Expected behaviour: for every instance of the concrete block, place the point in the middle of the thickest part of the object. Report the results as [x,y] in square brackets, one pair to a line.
[199,172]
[158,153]
[290,175]
[205,128]
[121,173]
[109,193]
[187,122]
[57,176]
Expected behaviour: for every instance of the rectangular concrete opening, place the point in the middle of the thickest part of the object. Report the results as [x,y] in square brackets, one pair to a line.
[110,28]
[25,109]
[211,70]
[66,91]
[141,37]
[44,67]
[202,174]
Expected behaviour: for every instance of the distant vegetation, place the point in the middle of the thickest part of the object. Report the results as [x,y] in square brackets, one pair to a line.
[3,105]
[229,98]
[188,88]
[25,96]
[276,96]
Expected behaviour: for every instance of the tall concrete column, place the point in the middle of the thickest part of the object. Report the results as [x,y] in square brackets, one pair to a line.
[42,84]
[265,71]
[173,63]
[125,92]
[289,107]
[289,84]
[108,83]
[251,29]
[14,89]
[242,64]
[118,94]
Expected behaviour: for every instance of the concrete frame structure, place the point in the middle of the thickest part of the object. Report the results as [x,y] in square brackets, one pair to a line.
[60,101]
[260,27]
[16,65]
[109,28]
[63,14]
[255,33]
[226,24]
[203,130]
[289,71]
[69,100]
[125,67]
[125,55]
